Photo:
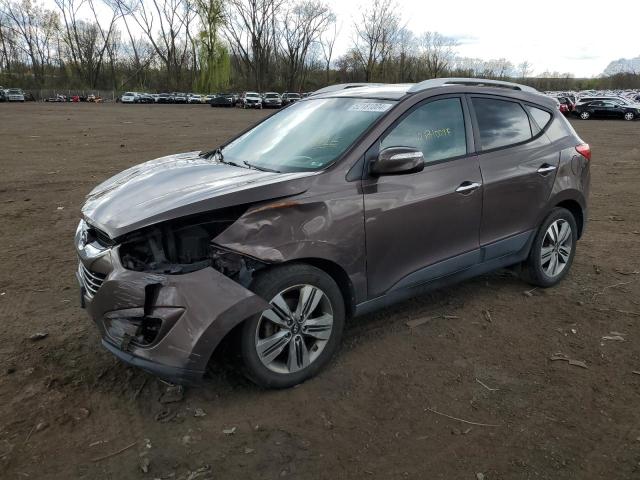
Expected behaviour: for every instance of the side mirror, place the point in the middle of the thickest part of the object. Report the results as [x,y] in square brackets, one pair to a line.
[398,161]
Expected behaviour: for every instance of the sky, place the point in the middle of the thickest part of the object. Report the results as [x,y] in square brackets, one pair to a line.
[580,37]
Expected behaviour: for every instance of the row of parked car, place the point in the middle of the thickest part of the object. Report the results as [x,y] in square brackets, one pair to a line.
[244,100]
[599,104]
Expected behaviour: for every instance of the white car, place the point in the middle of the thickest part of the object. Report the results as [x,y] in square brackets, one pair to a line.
[195,99]
[129,97]
[14,95]
[251,100]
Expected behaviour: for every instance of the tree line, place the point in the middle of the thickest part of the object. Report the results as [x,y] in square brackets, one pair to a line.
[213,45]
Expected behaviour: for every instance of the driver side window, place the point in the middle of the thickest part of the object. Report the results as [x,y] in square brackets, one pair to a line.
[435,128]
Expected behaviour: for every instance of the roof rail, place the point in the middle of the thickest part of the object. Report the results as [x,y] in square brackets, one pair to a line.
[344,86]
[472,82]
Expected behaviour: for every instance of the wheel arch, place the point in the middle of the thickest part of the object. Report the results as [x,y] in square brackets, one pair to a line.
[576,210]
[337,273]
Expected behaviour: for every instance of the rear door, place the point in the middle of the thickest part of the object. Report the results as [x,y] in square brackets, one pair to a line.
[424,225]
[518,165]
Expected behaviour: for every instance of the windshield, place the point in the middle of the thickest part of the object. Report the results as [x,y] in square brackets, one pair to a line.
[15,91]
[307,136]
[271,95]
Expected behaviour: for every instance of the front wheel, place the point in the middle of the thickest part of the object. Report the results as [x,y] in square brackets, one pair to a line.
[585,115]
[629,116]
[553,249]
[296,338]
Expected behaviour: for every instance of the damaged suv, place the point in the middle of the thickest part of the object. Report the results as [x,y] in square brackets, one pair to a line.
[345,202]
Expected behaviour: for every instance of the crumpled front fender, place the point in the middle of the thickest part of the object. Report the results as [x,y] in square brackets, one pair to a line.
[196,311]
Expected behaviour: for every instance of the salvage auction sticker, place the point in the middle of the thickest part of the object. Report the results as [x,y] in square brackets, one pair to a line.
[369,107]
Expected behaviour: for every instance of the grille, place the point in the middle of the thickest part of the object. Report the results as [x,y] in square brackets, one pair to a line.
[91,281]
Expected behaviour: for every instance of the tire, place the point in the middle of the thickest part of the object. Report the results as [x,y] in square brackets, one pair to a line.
[292,356]
[629,116]
[585,115]
[543,272]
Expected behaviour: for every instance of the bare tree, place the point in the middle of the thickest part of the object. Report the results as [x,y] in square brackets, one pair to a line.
[407,46]
[34,28]
[87,42]
[327,44]
[437,53]
[375,34]
[166,26]
[7,43]
[525,69]
[252,34]
[302,26]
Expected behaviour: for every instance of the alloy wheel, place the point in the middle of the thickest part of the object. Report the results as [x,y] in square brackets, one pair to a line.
[293,333]
[628,116]
[584,115]
[556,248]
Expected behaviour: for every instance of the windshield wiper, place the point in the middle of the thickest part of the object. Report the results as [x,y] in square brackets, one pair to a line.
[262,169]
[217,155]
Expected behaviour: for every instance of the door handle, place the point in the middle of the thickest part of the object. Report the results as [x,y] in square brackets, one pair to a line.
[546,168]
[467,187]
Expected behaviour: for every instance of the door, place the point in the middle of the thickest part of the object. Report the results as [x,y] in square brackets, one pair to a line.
[518,165]
[607,110]
[419,226]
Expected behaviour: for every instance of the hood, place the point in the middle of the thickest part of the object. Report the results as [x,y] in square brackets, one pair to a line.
[179,185]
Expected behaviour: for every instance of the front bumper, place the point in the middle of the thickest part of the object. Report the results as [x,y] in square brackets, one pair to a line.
[168,325]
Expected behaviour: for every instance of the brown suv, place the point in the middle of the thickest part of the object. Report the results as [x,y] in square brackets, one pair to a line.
[344,202]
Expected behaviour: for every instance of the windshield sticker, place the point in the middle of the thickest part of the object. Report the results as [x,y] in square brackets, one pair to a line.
[369,107]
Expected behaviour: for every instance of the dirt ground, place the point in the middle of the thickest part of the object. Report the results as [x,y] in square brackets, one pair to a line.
[68,409]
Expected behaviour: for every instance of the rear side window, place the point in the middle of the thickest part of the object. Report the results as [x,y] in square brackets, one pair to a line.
[501,122]
[541,117]
[436,128]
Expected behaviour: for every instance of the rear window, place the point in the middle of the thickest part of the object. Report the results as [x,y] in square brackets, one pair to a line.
[501,122]
[541,117]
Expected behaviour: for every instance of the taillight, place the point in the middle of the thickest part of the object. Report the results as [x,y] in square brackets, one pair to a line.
[584,150]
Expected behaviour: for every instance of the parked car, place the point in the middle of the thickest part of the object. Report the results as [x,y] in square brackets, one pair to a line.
[14,95]
[265,235]
[288,97]
[194,98]
[179,98]
[146,98]
[566,105]
[3,95]
[607,109]
[613,98]
[271,100]
[222,100]
[251,100]
[129,97]
[164,98]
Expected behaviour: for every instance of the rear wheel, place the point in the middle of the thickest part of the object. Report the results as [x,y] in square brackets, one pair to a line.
[629,116]
[553,249]
[297,337]
[585,115]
